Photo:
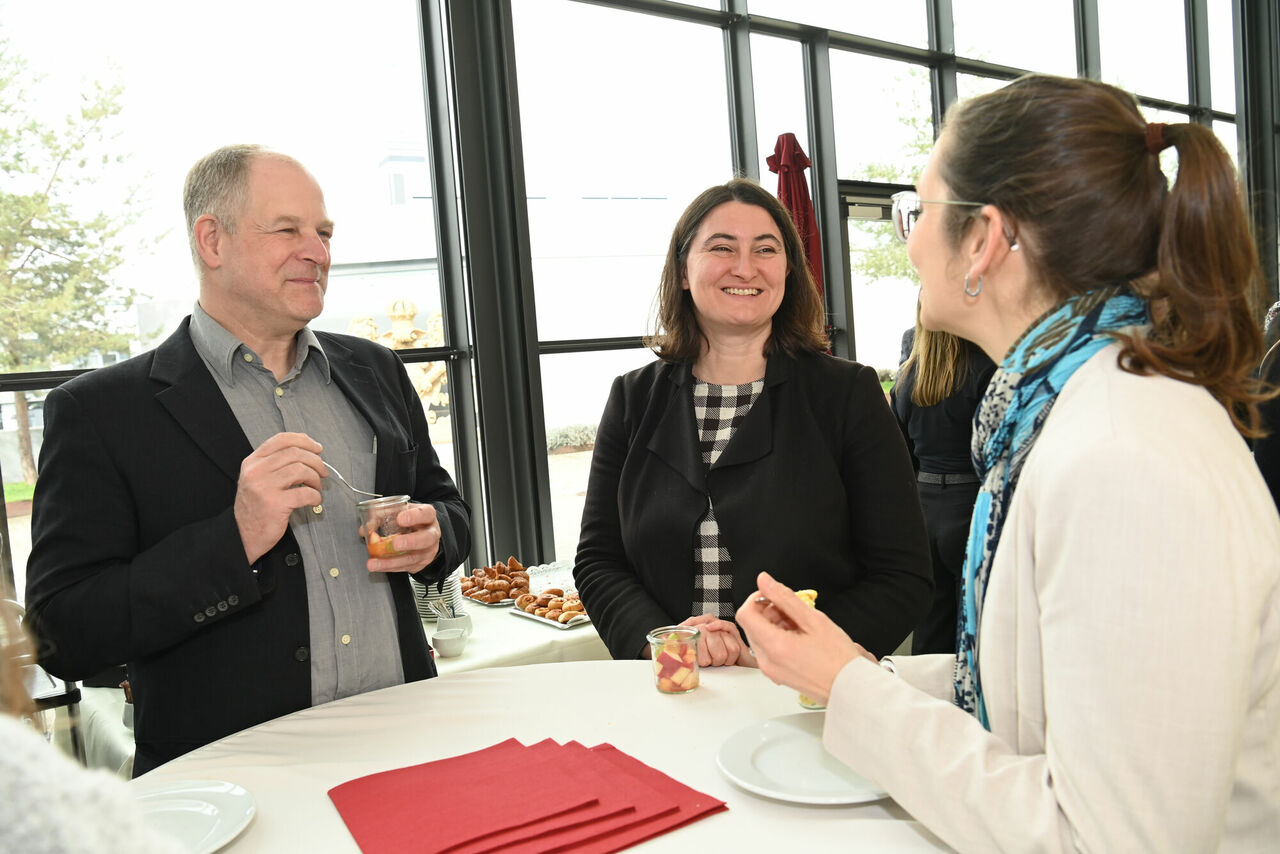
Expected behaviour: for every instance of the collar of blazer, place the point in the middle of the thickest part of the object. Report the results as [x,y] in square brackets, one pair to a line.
[675,438]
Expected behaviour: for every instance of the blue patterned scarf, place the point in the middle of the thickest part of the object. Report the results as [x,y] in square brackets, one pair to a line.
[1006,426]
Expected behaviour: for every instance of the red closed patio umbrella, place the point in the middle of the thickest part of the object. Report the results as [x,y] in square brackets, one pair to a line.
[789,162]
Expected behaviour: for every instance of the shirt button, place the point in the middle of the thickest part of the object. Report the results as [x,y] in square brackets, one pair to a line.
[211,611]
[291,559]
[346,639]
[318,509]
[279,392]
[222,606]
[301,653]
[199,617]
[248,357]
[233,600]
[333,570]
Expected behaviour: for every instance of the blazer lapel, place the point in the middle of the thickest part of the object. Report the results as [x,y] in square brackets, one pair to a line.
[675,437]
[754,437]
[360,387]
[194,400]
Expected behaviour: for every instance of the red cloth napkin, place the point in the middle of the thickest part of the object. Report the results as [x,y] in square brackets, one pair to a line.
[567,798]
[437,805]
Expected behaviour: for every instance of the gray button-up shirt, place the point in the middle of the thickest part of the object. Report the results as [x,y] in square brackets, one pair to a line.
[354,647]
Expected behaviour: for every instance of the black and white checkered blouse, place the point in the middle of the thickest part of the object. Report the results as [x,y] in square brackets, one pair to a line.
[718,410]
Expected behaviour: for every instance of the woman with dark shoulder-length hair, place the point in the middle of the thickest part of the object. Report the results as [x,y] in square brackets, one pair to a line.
[1117,683]
[746,447]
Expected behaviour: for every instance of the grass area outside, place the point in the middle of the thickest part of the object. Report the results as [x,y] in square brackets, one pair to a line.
[18,491]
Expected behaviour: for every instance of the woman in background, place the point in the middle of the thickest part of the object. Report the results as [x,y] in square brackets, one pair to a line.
[747,447]
[937,390]
[49,804]
[1117,687]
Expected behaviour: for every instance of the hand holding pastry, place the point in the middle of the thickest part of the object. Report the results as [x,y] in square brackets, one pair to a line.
[795,645]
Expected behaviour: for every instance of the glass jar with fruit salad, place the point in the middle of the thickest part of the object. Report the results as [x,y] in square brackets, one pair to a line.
[674,650]
[378,516]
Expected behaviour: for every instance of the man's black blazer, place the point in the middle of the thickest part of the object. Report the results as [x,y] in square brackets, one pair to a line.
[136,557]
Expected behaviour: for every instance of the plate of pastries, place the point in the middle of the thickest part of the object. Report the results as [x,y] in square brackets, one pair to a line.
[498,585]
[553,607]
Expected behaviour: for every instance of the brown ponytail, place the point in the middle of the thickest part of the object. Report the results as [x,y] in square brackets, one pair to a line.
[1070,162]
[1207,294]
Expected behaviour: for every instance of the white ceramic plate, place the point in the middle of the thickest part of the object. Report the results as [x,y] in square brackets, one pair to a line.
[203,814]
[783,758]
[580,620]
[505,603]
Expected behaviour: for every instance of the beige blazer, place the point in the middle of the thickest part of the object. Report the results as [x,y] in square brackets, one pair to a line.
[1129,646]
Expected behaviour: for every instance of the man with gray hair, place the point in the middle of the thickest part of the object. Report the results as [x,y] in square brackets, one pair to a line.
[184,522]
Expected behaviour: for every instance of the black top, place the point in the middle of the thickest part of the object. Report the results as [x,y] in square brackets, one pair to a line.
[1266,450]
[938,436]
[815,486]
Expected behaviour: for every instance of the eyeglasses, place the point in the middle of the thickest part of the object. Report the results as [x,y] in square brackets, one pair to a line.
[906,210]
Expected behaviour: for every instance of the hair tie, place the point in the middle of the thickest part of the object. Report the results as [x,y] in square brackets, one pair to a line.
[1156,142]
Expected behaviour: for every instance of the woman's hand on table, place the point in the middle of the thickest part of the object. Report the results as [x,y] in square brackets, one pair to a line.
[721,643]
[793,644]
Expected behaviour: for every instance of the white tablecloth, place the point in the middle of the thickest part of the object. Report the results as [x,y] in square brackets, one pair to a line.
[498,639]
[501,639]
[289,764]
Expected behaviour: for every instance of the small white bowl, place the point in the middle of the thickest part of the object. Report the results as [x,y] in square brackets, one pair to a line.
[449,643]
[462,621]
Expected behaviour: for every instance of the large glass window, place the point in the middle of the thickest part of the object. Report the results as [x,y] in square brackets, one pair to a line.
[883,117]
[777,76]
[1002,31]
[1222,63]
[575,389]
[883,287]
[1144,47]
[340,90]
[611,156]
[904,21]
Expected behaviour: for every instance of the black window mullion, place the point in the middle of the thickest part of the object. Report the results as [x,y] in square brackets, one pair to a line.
[504,341]
[1257,58]
[742,100]
[1200,92]
[942,39]
[444,190]
[1088,42]
[824,180]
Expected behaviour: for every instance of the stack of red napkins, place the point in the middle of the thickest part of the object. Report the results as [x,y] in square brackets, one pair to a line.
[517,799]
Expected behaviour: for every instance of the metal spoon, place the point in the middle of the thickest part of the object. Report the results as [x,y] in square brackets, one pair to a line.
[343,480]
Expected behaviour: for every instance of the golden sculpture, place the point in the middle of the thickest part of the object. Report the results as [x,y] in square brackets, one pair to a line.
[430,378]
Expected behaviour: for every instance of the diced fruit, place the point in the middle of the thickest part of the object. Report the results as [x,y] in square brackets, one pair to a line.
[810,597]
[381,546]
[675,663]
[666,663]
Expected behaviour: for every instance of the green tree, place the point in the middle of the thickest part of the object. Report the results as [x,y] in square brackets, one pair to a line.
[58,252]
[886,257]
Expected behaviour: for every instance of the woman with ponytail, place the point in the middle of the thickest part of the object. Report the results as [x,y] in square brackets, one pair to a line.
[1117,682]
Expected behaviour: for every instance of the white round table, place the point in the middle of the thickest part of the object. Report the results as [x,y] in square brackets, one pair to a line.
[290,763]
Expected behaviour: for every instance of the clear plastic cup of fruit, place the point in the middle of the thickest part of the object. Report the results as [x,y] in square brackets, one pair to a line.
[675,658]
[378,516]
